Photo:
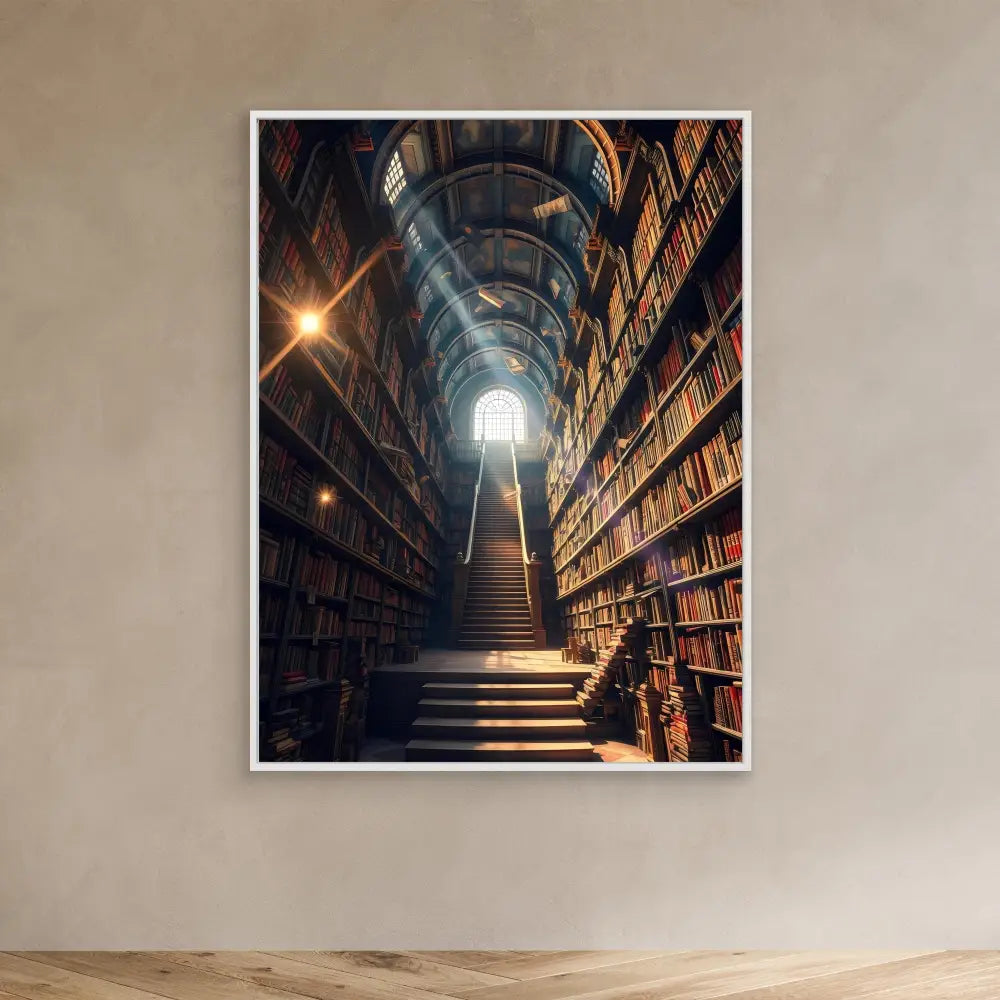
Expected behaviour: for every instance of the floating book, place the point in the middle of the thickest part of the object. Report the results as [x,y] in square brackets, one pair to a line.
[494,300]
[553,207]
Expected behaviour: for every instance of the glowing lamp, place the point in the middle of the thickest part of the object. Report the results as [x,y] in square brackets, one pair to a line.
[309,324]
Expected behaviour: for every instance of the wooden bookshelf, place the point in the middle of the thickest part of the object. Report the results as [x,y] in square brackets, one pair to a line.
[351,539]
[287,214]
[647,520]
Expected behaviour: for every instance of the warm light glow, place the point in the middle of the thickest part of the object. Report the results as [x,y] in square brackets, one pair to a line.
[325,497]
[308,323]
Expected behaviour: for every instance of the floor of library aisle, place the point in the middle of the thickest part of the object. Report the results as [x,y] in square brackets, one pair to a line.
[466,661]
[499,975]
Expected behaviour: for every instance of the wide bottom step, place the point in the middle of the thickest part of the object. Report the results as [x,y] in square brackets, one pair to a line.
[505,708]
[500,750]
[454,728]
[502,690]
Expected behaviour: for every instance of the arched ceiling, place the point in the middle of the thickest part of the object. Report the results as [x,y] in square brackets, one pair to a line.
[493,279]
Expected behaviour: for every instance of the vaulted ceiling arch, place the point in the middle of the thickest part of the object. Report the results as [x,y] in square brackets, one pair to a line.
[504,335]
[441,136]
[467,368]
[494,215]
[468,307]
[559,254]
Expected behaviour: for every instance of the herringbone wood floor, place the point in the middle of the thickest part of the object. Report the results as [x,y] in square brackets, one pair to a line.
[500,975]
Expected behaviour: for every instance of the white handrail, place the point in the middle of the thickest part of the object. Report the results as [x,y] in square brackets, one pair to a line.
[464,558]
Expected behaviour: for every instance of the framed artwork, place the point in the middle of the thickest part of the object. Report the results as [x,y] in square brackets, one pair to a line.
[500,390]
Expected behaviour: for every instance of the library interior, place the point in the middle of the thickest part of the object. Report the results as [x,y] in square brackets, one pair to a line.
[500,440]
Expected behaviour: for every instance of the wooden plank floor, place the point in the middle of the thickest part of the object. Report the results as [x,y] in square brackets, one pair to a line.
[499,975]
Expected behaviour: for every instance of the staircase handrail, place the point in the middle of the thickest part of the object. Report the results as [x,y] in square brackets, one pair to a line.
[532,566]
[520,513]
[467,555]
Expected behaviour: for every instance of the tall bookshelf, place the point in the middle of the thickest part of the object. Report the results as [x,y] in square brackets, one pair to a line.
[645,461]
[352,507]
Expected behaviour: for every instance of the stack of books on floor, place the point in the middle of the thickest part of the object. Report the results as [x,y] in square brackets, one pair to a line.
[686,730]
[595,688]
[283,746]
[610,663]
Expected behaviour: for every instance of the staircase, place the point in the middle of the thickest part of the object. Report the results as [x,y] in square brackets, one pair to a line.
[498,701]
[496,613]
[510,716]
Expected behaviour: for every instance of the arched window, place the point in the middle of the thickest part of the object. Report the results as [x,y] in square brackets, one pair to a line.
[498,416]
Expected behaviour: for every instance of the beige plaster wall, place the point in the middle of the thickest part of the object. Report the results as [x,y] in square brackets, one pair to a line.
[129,817]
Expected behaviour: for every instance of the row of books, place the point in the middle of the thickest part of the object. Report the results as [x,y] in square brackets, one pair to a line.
[297,403]
[728,701]
[271,610]
[714,181]
[368,585]
[700,474]
[712,186]
[659,641]
[335,437]
[727,282]
[713,648]
[648,227]
[283,267]
[710,602]
[309,663]
[361,628]
[286,481]
[283,478]
[316,620]
[712,545]
[280,143]
[722,366]
[686,338]
[322,574]
[276,554]
[325,226]
[265,222]
[689,137]
[367,319]
[683,488]
[650,607]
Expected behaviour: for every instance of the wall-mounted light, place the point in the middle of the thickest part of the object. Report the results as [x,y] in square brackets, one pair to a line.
[309,324]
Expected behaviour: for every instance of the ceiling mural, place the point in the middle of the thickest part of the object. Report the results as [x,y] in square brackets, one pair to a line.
[493,216]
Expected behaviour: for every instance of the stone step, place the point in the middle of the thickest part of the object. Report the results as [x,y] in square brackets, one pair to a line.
[496,645]
[499,750]
[503,690]
[515,708]
[469,728]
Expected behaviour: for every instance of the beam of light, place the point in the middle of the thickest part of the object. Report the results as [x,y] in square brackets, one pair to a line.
[375,256]
[296,336]
[310,323]
[449,283]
